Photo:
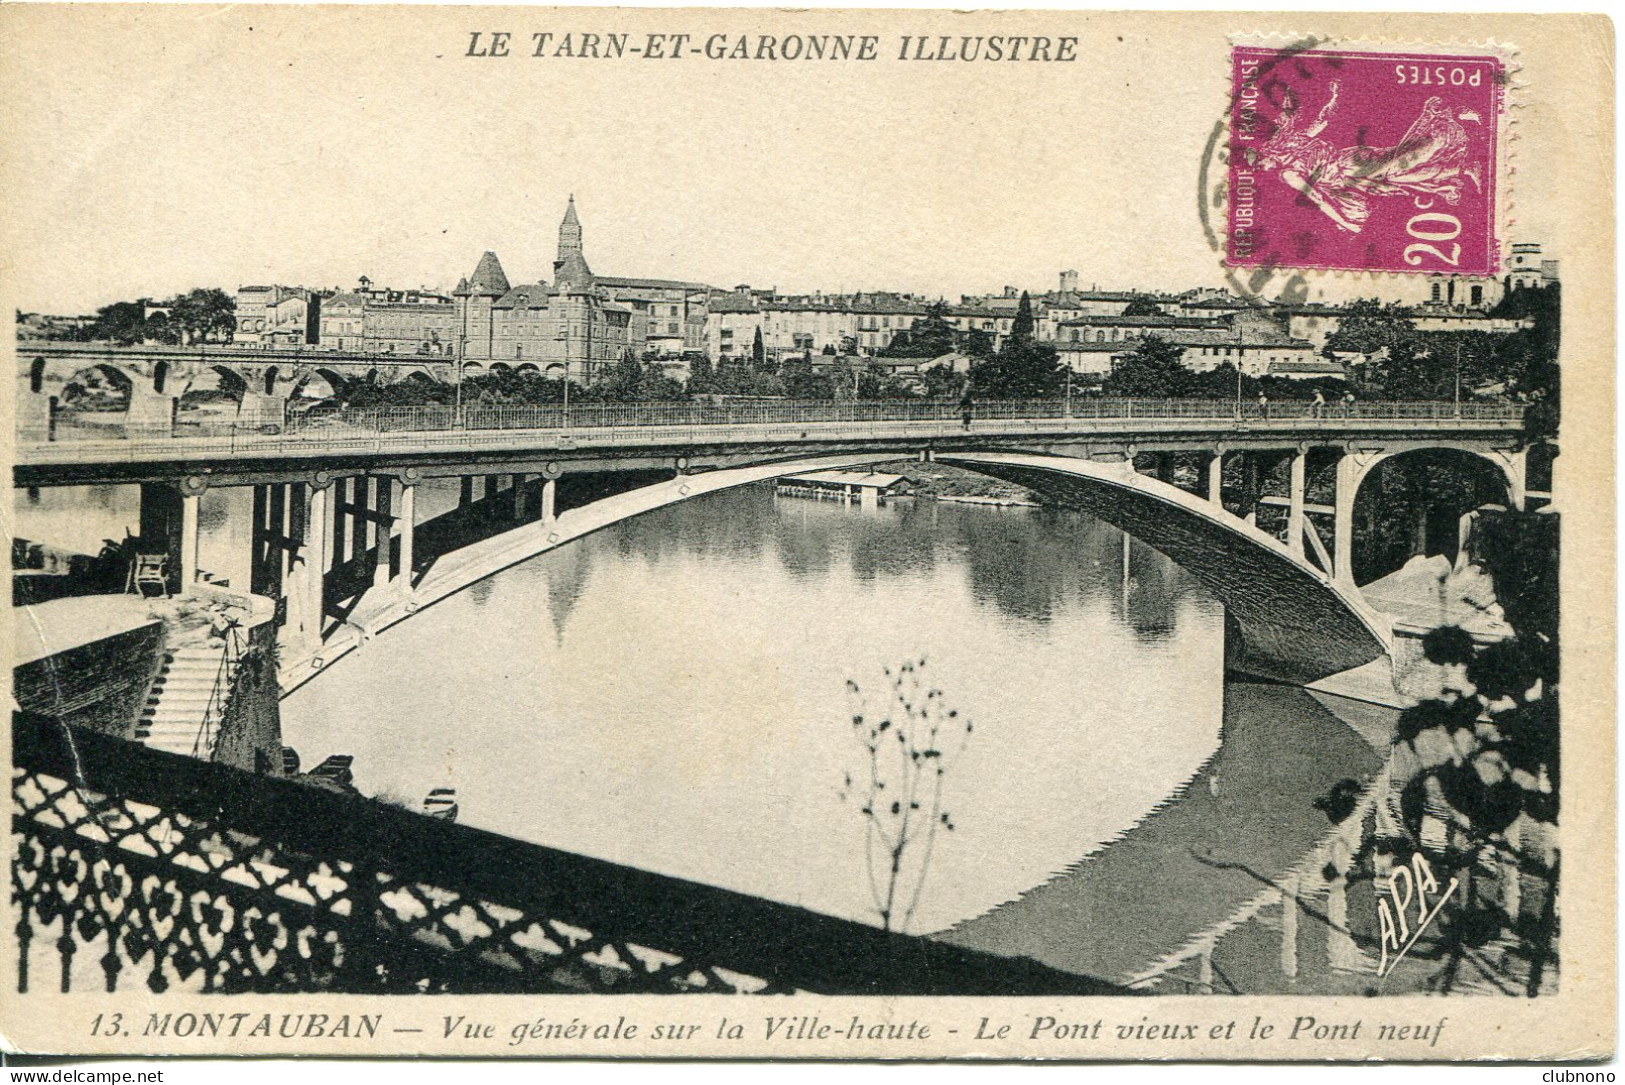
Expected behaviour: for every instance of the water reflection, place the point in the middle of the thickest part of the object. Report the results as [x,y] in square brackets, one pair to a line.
[669,692]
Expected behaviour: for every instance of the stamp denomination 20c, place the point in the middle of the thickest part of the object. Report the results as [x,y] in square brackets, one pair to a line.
[1364,161]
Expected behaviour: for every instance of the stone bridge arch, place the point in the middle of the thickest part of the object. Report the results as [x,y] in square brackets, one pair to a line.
[297,380]
[1286,619]
[129,382]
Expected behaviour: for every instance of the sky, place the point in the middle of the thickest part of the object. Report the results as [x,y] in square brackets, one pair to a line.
[154,149]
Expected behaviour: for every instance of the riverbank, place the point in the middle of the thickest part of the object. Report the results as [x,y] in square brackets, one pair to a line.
[942,482]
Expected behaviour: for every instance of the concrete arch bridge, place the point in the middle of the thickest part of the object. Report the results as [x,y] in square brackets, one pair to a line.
[1260,510]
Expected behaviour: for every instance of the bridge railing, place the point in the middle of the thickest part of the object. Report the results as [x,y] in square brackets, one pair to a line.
[267,884]
[339,425]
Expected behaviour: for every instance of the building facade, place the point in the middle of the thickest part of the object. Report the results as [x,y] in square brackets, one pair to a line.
[570,328]
[276,316]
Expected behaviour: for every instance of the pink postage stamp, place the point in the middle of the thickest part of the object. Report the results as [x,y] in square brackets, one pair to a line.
[1364,161]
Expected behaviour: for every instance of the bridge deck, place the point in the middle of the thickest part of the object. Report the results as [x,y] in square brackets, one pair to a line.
[681,427]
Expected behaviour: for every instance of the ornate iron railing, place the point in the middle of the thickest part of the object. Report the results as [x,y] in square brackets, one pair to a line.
[137,865]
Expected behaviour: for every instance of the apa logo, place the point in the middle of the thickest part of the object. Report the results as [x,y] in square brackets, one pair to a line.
[1410,885]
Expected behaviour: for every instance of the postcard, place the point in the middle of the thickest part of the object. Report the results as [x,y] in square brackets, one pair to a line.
[923,534]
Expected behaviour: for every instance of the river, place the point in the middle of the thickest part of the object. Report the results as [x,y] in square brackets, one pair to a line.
[672,693]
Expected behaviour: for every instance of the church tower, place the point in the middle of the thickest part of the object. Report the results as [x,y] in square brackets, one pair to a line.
[570,269]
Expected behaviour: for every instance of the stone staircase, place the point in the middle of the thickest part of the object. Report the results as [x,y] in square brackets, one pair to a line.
[179,700]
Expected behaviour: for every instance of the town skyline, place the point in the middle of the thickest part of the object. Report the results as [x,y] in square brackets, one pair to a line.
[1409,289]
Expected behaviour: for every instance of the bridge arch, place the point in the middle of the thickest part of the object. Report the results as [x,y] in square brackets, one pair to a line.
[214,382]
[1286,619]
[316,378]
[1431,487]
[87,384]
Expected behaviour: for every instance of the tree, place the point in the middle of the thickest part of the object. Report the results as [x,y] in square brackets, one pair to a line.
[843,378]
[1368,326]
[930,336]
[702,377]
[942,381]
[1023,367]
[622,381]
[160,329]
[205,315]
[122,322]
[758,352]
[1482,762]
[802,382]
[1141,305]
[899,788]
[1529,356]
[1021,329]
[1156,370]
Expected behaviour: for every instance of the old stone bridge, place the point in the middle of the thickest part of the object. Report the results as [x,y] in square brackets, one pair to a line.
[261,382]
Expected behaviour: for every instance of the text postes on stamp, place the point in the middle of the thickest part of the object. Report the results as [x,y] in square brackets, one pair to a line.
[1364,161]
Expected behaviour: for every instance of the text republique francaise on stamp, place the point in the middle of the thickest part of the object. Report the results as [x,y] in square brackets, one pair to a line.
[1364,161]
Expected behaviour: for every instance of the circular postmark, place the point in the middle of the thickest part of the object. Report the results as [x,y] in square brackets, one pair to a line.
[1266,280]
[1357,158]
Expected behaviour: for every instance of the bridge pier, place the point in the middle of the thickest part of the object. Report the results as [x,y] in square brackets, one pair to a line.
[307,578]
[1516,467]
[1294,513]
[153,413]
[408,529]
[383,494]
[258,409]
[1251,488]
[1344,488]
[1215,477]
[280,532]
[169,515]
[550,490]
[36,416]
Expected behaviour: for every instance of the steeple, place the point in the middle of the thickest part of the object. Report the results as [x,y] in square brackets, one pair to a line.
[571,265]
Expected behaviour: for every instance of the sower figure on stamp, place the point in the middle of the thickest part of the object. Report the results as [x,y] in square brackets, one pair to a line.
[1430,159]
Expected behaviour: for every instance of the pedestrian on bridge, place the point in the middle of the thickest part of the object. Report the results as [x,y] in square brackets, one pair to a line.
[1348,403]
[967,408]
[1263,404]
[1318,408]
